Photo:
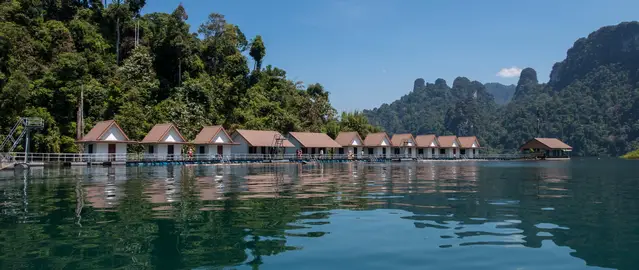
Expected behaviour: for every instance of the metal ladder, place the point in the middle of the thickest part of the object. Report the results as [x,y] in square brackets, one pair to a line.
[22,126]
[278,144]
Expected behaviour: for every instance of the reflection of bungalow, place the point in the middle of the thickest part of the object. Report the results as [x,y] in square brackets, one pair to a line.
[351,143]
[213,142]
[468,146]
[311,143]
[106,142]
[547,148]
[448,146]
[404,145]
[163,142]
[378,145]
[258,141]
[427,146]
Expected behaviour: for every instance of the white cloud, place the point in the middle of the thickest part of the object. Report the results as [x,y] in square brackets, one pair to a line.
[511,72]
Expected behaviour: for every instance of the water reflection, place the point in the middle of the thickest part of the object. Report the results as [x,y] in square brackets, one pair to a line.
[250,216]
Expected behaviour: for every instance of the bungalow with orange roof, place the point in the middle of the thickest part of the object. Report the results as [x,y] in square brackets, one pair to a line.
[163,142]
[213,142]
[106,142]
[404,145]
[468,147]
[259,142]
[427,146]
[378,145]
[547,148]
[311,143]
[351,144]
[448,146]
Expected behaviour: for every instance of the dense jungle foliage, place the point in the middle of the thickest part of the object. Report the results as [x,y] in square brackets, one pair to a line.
[51,51]
[591,101]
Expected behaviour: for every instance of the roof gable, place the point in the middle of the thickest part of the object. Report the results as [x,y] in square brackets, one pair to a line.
[448,141]
[377,139]
[213,135]
[106,131]
[426,140]
[403,140]
[314,140]
[350,138]
[469,142]
[161,133]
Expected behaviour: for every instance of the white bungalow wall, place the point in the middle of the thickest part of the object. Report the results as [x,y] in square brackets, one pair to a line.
[379,151]
[242,146]
[452,152]
[299,146]
[161,151]
[356,151]
[355,148]
[211,151]
[469,151]
[428,152]
[101,151]
[404,150]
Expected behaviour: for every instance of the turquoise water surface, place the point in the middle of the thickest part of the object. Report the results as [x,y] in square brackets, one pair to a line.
[578,214]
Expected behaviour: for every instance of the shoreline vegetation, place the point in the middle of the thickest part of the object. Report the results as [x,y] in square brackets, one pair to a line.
[631,155]
[145,69]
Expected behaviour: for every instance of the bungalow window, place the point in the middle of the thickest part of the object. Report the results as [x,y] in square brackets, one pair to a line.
[202,149]
[454,151]
[304,150]
[433,151]
[370,151]
[312,151]
[396,151]
[473,151]
[341,151]
[263,150]
[410,151]
[384,151]
[151,150]
[442,151]
[90,148]
[462,151]
[252,150]
[420,151]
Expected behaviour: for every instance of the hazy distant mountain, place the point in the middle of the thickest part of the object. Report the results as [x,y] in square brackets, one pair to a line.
[591,101]
[502,93]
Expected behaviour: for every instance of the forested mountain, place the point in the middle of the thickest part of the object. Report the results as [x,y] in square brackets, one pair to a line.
[591,101]
[502,93]
[142,70]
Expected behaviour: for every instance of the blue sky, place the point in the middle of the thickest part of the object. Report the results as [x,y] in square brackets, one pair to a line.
[369,52]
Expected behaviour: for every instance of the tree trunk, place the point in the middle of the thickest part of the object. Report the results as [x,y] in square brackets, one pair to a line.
[117,42]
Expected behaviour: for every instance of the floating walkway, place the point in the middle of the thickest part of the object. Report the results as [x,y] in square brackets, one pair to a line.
[74,159]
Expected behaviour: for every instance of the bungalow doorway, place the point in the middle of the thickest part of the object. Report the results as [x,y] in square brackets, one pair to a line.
[111,152]
[220,150]
[170,149]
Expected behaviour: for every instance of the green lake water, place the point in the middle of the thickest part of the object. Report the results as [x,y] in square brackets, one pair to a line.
[578,214]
